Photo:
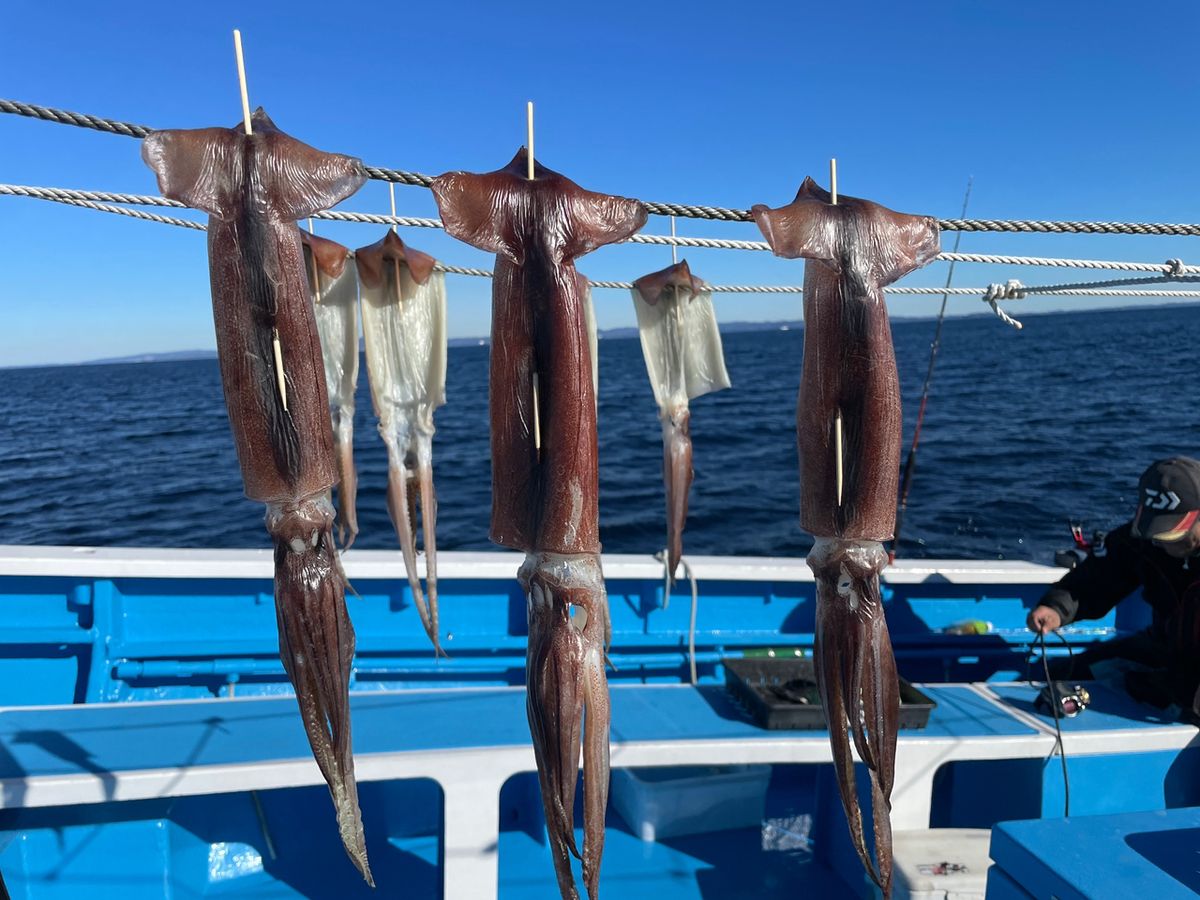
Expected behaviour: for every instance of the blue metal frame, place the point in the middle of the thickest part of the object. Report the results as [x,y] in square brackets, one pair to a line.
[70,640]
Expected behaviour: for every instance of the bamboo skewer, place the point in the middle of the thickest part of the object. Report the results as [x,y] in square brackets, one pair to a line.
[241,67]
[529,144]
[837,422]
[837,455]
[276,348]
[537,418]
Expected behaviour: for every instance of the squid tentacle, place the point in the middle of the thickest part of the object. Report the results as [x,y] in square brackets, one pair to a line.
[567,704]
[677,472]
[316,644]
[857,679]
[347,486]
[405,484]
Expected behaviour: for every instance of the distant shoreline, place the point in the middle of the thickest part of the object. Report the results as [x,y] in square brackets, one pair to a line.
[609,334]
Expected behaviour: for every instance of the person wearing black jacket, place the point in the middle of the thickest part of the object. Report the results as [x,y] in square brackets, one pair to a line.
[1158,551]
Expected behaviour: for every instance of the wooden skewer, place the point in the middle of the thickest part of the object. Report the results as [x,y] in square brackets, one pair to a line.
[392,197]
[279,377]
[537,417]
[674,249]
[241,66]
[537,424]
[529,145]
[833,181]
[277,349]
[837,455]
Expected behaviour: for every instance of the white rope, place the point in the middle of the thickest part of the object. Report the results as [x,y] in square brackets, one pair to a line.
[1172,267]
[1171,270]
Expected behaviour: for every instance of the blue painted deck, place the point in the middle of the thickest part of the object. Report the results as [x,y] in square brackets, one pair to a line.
[1150,854]
[113,738]
[94,643]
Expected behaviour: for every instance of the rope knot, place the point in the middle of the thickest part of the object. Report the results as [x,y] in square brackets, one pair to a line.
[1010,290]
[1175,268]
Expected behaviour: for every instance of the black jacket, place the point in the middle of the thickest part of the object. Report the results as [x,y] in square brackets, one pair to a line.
[1116,567]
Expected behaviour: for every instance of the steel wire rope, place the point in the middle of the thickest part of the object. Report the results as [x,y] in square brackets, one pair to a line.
[720,213]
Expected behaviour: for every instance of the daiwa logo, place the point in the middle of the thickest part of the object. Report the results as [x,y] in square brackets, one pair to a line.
[1160,500]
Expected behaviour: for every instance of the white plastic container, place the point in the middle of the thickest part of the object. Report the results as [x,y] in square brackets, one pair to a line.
[670,801]
[940,864]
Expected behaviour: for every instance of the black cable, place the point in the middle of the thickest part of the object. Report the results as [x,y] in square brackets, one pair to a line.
[1055,702]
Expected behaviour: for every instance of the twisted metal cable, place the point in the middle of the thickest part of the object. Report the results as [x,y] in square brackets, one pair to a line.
[71,118]
[14,190]
[1114,282]
[1044,227]
[372,219]
[416,179]
[711,243]
[720,213]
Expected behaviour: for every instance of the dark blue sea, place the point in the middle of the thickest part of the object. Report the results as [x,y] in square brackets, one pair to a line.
[1024,431]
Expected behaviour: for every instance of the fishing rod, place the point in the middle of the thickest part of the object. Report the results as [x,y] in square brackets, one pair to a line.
[910,464]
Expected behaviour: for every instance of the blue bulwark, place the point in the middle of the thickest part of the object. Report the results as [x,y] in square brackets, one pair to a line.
[99,638]
[1088,857]
[114,738]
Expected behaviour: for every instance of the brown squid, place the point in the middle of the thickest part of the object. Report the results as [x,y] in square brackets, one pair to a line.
[404,329]
[254,188]
[545,481]
[848,428]
[682,348]
[333,286]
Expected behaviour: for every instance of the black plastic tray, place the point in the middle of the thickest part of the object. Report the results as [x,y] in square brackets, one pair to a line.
[770,689]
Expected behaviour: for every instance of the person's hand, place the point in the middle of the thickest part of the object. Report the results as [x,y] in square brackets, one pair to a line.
[1044,619]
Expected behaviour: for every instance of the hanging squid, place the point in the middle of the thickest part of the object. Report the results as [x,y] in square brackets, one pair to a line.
[682,347]
[404,329]
[333,286]
[848,427]
[545,481]
[254,188]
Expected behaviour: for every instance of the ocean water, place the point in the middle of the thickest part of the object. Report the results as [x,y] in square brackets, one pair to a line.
[1024,431]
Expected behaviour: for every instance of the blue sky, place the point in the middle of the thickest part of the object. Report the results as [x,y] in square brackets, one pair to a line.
[1058,110]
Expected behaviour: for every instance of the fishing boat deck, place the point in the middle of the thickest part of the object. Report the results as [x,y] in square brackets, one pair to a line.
[473,742]
[1148,854]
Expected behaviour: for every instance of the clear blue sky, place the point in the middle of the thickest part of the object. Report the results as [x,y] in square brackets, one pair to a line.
[1059,110]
